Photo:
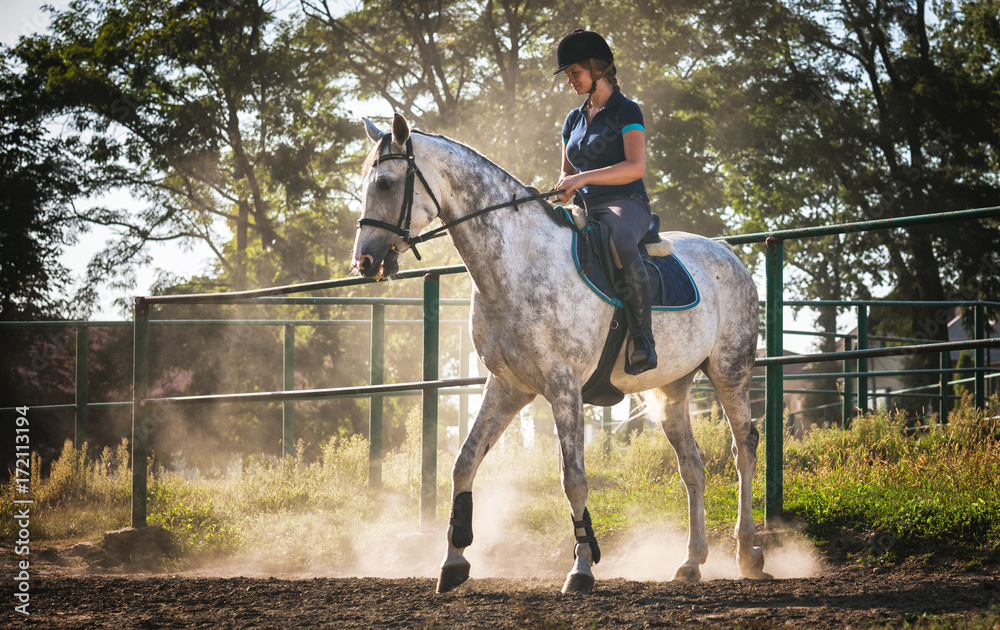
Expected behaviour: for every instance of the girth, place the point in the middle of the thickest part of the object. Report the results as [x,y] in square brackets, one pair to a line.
[598,389]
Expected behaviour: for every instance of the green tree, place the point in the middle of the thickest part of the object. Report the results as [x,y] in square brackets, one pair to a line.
[38,181]
[875,109]
[222,122]
[220,118]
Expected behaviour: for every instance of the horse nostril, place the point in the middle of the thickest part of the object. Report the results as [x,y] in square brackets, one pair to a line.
[364,263]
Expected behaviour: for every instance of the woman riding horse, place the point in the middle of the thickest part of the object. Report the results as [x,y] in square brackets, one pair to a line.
[604,160]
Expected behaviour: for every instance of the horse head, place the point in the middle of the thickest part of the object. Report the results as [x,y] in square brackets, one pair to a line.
[397,201]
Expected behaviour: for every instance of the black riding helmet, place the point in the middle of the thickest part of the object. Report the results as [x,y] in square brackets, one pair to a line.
[581,45]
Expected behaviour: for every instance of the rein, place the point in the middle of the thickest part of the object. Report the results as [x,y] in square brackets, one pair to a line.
[402,226]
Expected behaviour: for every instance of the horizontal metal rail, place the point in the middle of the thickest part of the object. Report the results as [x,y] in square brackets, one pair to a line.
[834,392]
[313,394]
[292,322]
[453,390]
[878,352]
[836,335]
[872,373]
[888,303]
[305,287]
[903,393]
[233,322]
[839,375]
[334,301]
[864,226]
[73,406]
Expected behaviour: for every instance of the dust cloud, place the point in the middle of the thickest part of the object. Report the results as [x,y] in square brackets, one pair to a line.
[654,553]
[393,546]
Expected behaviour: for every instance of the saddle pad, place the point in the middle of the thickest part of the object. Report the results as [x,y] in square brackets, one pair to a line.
[671,286]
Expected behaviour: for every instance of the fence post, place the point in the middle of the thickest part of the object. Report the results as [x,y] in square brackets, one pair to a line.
[375,407]
[862,363]
[288,384]
[944,364]
[82,347]
[606,429]
[774,429]
[428,474]
[463,372]
[845,412]
[979,321]
[140,413]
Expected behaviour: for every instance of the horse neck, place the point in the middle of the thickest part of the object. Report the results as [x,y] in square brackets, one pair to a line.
[502,249]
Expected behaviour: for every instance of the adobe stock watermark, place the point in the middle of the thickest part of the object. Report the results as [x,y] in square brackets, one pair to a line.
[22,511]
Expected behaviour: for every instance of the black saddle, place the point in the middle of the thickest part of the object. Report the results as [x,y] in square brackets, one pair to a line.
[653,233]
[671,288]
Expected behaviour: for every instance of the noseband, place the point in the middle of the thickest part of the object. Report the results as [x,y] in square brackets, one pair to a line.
[402,226]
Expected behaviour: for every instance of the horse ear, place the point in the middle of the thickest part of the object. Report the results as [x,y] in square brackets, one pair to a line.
[400,129]
[374,133]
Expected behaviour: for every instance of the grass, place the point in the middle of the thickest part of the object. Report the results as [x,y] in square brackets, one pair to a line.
[989,620]
[912,490]
[905,491]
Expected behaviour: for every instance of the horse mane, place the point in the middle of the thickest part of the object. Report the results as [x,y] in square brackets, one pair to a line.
[372,157]
[490,164]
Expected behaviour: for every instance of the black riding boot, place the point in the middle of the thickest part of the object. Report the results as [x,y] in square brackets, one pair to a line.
[640,348]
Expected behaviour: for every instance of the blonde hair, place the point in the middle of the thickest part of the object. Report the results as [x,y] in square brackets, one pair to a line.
[602,69]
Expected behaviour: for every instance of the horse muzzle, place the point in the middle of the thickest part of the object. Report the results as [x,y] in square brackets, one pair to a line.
[367,266]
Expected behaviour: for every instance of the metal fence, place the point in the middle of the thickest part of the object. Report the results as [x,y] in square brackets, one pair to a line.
[774,325]
[431,385]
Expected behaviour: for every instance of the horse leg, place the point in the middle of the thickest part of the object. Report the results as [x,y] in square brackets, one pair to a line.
[567,409]
[500,405]
[672,400]
[736,403]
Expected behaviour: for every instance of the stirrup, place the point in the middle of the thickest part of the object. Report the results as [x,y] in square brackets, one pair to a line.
[643,365]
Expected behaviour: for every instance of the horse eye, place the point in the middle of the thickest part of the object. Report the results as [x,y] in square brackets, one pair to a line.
[383,183]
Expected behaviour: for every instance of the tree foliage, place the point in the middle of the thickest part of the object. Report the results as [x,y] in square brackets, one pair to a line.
[217,116]
[38,182]
[235,123]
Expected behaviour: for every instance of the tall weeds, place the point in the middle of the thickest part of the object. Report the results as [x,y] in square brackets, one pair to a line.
[913,489]
[78,497]
[921,488]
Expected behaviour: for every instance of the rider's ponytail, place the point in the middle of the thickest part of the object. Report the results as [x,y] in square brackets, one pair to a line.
[600,68]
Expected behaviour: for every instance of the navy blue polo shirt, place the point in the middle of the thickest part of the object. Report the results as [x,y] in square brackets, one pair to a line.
[600,144]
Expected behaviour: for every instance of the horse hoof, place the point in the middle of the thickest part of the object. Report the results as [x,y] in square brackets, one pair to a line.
[578,583]
[687,573]
[752,565]
[452,576]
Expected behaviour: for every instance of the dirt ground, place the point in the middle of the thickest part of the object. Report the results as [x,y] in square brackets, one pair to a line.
[67,594]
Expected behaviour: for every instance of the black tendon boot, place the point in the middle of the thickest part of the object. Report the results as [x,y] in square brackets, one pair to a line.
[640,353]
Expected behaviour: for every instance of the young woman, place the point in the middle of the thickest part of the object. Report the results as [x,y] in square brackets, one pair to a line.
[604,160]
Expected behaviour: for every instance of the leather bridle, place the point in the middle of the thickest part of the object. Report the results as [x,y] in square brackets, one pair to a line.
[402,225]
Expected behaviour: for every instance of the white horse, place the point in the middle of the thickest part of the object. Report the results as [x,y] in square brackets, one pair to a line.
[540,330]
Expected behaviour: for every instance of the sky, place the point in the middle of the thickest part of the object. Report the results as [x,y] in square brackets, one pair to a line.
[21,17]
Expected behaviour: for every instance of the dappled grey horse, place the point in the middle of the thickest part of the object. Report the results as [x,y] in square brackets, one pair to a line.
[539,329]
